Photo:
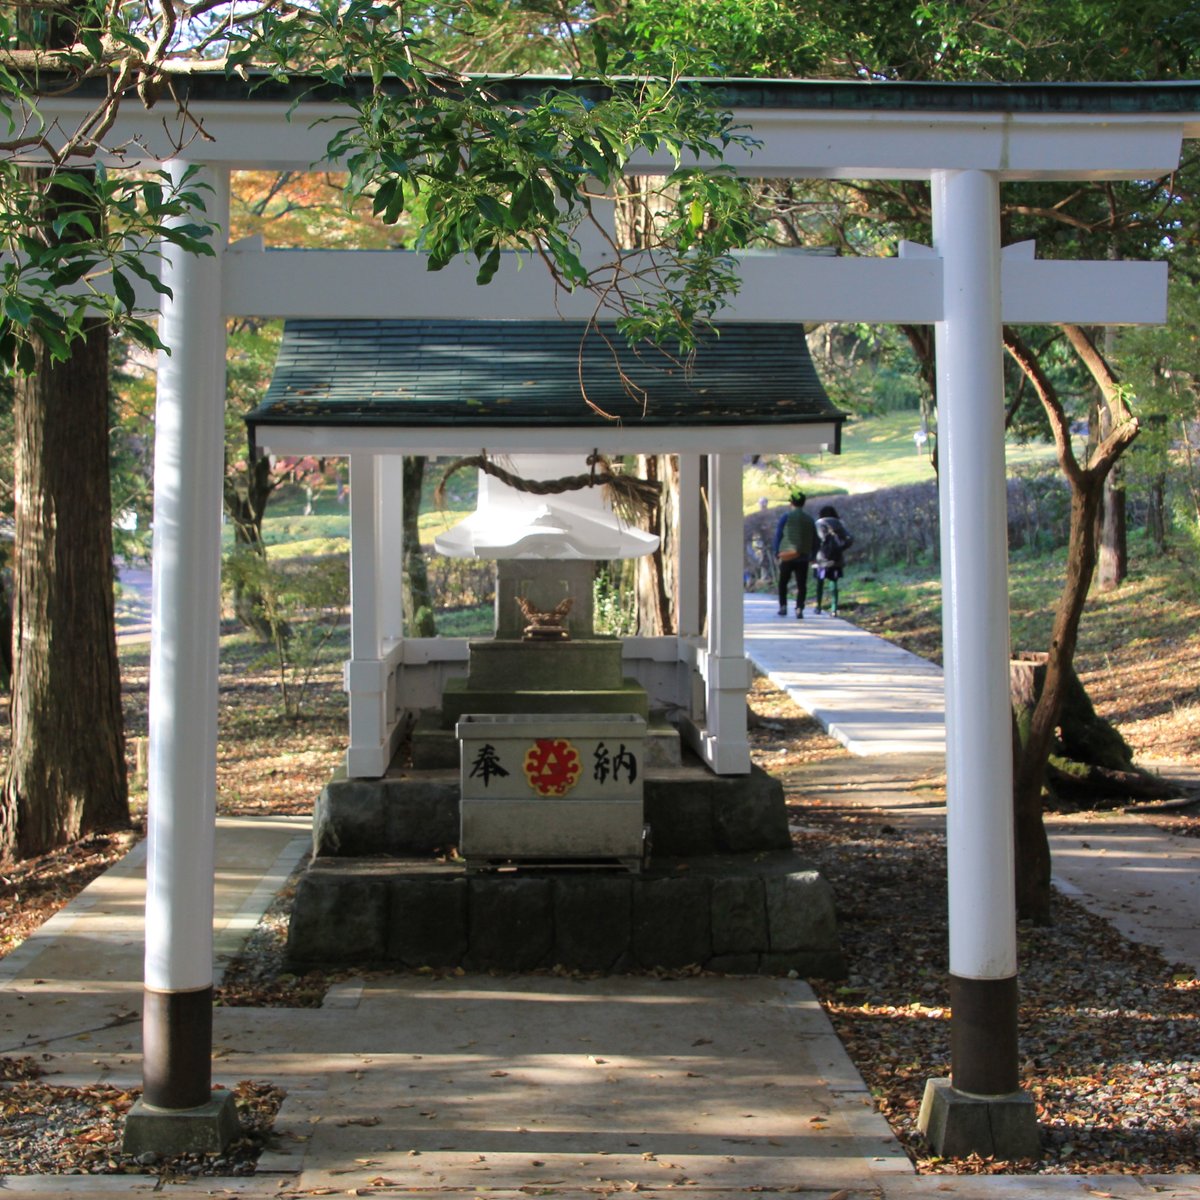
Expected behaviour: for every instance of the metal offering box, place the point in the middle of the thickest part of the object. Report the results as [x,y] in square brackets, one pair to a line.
[552,788]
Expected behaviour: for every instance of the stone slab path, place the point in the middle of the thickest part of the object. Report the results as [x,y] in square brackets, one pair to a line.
[875,698]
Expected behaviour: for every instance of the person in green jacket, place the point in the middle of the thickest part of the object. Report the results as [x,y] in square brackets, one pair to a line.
[795,539]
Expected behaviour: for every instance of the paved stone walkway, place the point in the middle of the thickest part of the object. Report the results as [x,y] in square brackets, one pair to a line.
[872,696]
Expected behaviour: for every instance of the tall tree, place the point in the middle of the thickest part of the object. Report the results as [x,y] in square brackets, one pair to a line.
[66,771]
[1087,482]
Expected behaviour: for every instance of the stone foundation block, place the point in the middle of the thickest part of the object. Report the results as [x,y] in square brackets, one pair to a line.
[739,915]
[958,1124]
[807,964]
[511,922]
[735,964]
[208,1129]
[592,921]
[672,925]
[800,912]
[390,816]
[428,921]
[752,819]
[337,919]
[680,817]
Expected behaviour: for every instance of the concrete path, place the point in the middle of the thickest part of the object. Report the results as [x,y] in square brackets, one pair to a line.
[872,696]
[133,604]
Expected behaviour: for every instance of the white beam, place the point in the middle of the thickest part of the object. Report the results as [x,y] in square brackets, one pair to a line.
[780,286]
[608,439]
[1060,292]
[726,671]
[852,144]
[794,142]
[688,578]
[391,553]
[366,672]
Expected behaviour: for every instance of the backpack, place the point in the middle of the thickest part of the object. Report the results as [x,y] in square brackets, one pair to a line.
[832,546]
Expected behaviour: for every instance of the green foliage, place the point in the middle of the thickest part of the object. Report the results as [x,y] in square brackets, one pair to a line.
[76,242]
[473,621]
[303,601]
[486,170]
[614,599]
[1163,366]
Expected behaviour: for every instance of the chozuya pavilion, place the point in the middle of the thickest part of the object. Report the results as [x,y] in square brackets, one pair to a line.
[966,140]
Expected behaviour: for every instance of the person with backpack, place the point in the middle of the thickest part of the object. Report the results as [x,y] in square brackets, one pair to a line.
[795,540]
[833,540]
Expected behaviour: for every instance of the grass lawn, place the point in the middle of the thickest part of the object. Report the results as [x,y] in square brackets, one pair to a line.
[877,452]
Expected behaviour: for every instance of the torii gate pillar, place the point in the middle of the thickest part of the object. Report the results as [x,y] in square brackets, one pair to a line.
[981,1108]
[179,1111]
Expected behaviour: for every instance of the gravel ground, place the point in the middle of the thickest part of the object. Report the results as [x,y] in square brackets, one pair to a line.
[1110,1033]
[47,1129]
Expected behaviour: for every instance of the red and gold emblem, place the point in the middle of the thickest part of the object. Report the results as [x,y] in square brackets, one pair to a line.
[552,766]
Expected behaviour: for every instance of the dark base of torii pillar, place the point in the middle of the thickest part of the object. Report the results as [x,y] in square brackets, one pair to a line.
[178,1112]
[981,1109]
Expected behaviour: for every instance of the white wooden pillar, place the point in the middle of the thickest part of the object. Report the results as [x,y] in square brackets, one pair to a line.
[725,746]
[366,672]
[688,580]
[184,647]
[391,550]
[974,528]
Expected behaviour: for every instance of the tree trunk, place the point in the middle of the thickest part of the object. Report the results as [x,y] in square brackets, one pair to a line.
[1156,514]
[1033,859]
[1037,741]
[655,613]
[418,600]
[66,774]
[246,507]
[1113,562]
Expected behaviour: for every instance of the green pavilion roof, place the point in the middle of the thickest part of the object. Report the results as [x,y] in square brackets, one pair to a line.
[514,374]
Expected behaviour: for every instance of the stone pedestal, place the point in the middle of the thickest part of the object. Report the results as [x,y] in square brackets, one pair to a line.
[544,583]
[208,1129]
[552,787]
[958,1124]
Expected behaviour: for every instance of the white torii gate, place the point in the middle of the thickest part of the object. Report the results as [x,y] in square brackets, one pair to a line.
[965,140]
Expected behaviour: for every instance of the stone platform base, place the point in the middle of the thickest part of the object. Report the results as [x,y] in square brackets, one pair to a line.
[409,813]
[746,914]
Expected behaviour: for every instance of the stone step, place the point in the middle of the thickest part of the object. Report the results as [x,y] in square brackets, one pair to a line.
[742,914]
[436,747]
[689,811]
[546,666]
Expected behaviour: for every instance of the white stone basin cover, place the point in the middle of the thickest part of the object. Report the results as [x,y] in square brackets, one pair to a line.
[508,523]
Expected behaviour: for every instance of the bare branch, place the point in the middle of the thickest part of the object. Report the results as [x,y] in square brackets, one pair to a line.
[1060,426]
